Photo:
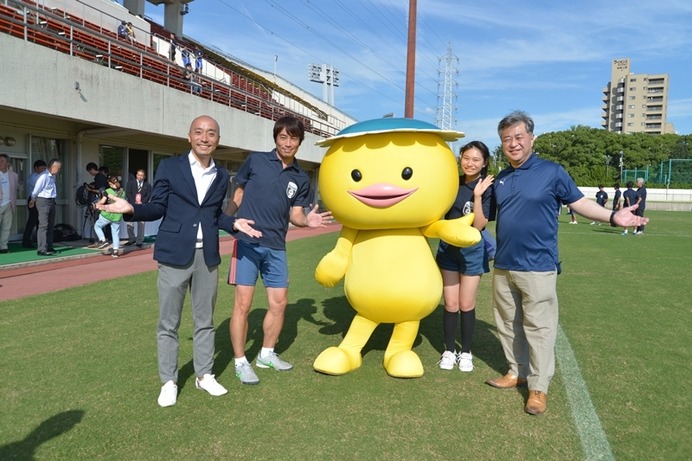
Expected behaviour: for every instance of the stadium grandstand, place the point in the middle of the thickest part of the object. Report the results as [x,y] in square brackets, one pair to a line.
[74,90]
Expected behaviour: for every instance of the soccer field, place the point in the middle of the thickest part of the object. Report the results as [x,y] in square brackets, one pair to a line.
[79,376]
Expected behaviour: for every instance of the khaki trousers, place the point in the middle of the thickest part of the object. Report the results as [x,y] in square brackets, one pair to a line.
[526,314]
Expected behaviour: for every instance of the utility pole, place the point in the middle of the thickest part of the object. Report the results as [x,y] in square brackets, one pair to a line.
[410,59]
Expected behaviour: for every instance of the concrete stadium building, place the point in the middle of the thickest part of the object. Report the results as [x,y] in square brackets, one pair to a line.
[73,90]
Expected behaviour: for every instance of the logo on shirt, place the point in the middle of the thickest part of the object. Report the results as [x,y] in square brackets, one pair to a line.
[468,208]
[291,189]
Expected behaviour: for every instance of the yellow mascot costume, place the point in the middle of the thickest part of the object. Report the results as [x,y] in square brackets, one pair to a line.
[389,182]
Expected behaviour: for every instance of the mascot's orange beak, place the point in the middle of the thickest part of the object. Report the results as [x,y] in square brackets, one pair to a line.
[381,195]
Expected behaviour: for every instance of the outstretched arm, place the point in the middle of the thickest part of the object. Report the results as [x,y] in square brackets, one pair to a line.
[245,226]
[313,219]
[114,205]
[625,217]
[459,232]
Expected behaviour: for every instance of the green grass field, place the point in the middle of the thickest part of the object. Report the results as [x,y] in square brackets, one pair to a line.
[79,378]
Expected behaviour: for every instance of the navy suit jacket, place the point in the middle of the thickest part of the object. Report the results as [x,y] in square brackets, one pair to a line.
[131,190]
[174,198]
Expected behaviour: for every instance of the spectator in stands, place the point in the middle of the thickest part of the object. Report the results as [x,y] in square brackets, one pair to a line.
[9,183]
[130,33]
[31,212]
[199,55]
[43,198]
[190,76]
[185,53]
[122,30]
[174,47]
[138,191]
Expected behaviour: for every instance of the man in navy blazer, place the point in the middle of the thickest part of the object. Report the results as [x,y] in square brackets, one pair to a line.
[188,194]
[137,191]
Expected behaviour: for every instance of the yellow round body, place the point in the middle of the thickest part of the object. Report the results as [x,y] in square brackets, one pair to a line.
[392,276]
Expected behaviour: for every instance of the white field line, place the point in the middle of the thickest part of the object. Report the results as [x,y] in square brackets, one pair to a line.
[593,440]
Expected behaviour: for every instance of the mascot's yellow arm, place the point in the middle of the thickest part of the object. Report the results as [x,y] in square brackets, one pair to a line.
[332,268]
[458,232]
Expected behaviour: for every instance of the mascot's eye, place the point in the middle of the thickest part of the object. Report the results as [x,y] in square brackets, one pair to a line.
[356,175]
[406,173]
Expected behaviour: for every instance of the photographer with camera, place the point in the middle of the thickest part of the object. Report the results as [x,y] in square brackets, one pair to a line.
[108,218]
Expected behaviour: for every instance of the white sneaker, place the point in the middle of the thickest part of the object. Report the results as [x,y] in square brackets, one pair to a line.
[168,395]
[465,361]
[208,383]
[448,360]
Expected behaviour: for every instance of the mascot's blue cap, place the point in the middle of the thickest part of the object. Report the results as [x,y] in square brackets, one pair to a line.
[390,125]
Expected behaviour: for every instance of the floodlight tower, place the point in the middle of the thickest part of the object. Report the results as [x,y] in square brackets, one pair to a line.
[447,90]
[328,76]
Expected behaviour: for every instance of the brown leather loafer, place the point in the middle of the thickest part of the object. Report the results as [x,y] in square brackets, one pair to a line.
[508,381]
[537,403]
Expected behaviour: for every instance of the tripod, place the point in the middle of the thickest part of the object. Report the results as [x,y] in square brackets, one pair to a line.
[91,215]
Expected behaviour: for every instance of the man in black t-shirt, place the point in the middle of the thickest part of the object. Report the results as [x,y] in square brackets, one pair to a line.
[641,201]
[616,198]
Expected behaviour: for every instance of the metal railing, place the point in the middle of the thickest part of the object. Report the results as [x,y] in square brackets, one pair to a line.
[76,37]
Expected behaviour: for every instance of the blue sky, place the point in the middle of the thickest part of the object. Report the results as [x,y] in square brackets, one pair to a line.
[549,58]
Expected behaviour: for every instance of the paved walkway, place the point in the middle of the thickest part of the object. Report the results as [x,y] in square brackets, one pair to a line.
[52,276]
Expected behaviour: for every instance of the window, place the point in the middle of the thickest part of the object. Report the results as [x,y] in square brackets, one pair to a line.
[114,158]
[633,88]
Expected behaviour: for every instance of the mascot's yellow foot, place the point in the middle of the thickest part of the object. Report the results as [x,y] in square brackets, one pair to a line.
[335,361]
[404,364]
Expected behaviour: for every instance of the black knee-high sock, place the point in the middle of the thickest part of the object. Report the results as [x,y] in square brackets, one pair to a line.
[468,324]
[449,328]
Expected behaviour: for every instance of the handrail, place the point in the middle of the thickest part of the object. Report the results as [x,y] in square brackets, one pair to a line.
[52,30]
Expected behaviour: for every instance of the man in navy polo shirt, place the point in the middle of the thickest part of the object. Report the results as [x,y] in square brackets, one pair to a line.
[274,190]
[601,199]
[526,261]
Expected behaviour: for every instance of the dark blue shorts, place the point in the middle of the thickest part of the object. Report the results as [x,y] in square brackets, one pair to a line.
[467,261]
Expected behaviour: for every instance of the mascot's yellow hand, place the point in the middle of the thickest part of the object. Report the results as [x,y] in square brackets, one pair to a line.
[331,269]
[457,232]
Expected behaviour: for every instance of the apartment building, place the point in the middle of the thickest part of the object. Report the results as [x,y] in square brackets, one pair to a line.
[635,102]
